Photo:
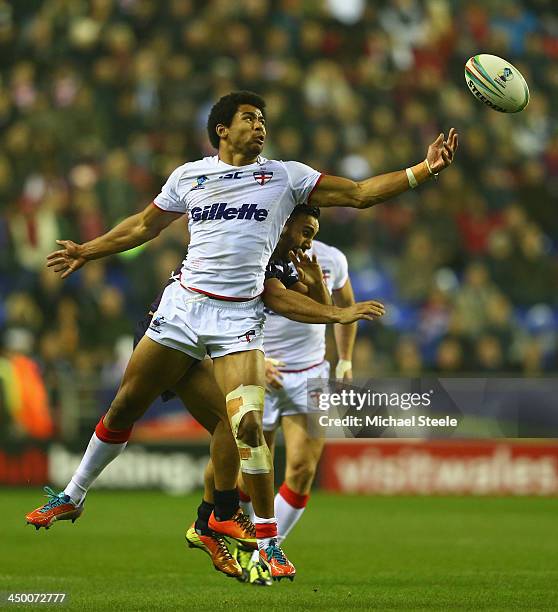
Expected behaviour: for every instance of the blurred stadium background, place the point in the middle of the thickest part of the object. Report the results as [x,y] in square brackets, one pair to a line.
[100,100]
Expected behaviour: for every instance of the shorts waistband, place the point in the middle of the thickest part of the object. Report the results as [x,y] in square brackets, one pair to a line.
[223,301]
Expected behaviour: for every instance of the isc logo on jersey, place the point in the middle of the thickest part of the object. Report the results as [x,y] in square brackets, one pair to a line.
[219,210]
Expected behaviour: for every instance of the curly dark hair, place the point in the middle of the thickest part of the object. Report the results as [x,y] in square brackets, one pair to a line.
[224,109]
[304,209]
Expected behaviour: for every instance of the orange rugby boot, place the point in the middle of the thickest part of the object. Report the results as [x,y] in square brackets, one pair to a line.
[274,560]
[214,545]
[58,508]
[239,527]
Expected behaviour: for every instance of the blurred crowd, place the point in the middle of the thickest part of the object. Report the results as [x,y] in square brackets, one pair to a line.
[100,100]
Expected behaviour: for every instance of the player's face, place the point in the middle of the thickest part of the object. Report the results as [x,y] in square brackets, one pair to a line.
[299,233]
[246,133]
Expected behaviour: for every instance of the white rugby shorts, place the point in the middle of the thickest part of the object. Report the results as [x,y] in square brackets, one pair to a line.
[199,325]
[293,398]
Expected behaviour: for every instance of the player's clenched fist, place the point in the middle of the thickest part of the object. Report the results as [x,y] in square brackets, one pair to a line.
[66,260]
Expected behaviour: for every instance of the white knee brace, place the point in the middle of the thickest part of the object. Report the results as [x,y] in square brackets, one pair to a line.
[244,399]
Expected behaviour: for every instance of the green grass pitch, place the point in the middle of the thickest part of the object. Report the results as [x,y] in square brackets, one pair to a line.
[127,553]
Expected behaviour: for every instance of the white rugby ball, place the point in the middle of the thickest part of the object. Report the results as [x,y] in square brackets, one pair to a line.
[497,83]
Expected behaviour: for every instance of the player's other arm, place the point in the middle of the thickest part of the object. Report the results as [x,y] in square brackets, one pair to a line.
[133,231]
[345,335]
[338,191]
[299,307]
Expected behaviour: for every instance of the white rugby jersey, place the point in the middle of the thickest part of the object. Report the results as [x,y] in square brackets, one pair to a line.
[236,214]
[301,345]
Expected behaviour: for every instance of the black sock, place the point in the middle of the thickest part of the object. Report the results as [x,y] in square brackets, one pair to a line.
[226,504]
[204,512]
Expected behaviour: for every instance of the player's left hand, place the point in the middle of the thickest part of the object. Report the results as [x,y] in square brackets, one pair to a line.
[308,270]
[441,152]
[273,376]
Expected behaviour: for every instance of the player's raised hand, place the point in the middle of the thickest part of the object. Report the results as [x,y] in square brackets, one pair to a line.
[272,375]
[66,260]
[441,152]
[367,311]
[308,270]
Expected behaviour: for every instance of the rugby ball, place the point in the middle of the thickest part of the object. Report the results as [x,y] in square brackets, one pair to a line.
[497,83]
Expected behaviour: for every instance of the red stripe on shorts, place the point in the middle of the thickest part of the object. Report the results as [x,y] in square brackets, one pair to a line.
[303,369]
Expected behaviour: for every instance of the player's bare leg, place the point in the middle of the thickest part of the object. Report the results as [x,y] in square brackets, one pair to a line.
[248,560]
[200,536]
[303,454]
[152,369]
[252,571]
[245,499]
[232,371]
[241,377]
[206,403]
[209,484]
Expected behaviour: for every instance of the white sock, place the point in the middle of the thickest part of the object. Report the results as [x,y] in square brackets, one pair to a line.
[288,514]
[263,541]
[248,509]
[96,458]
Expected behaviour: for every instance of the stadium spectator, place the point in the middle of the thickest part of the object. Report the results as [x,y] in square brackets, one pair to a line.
[473,296]
[489,358]
[408,360]
[415,274]
[449,357]
[26,410]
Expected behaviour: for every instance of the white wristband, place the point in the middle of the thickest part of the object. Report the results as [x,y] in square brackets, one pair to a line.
[411,178]
[343,366]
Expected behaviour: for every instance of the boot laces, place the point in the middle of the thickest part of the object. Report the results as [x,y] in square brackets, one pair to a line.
[54,499]
[244,521]
[273,551]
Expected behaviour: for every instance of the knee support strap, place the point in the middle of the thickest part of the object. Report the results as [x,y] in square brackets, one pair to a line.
[244,399]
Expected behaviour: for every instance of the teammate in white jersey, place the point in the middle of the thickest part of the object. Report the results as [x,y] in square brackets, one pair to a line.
[295,353]
[237,203]
[299,350]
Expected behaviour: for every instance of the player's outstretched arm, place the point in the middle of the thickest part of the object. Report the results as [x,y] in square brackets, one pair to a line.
[337,191]
[131,232]
[299,307]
